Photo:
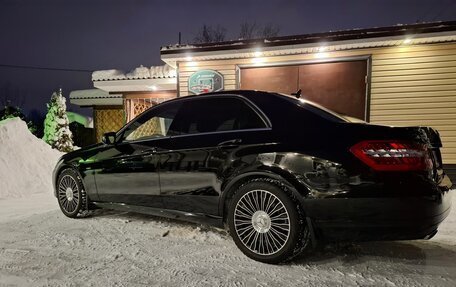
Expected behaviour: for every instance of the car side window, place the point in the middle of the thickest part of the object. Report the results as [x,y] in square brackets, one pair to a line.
[152,124]
[216,114]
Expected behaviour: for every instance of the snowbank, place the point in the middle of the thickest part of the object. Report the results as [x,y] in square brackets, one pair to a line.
[26,162]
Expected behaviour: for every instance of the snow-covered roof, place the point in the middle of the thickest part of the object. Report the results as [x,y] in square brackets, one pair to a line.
[423,33]
[90,94]
[154,72]
[324,37]
[95,97]
[140,79]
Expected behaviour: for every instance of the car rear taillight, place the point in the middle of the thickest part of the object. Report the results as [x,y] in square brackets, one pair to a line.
[393,155]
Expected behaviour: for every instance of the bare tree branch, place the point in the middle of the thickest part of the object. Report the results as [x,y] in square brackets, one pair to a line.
[270,30]
[251,30]
[209,34]
[248,30]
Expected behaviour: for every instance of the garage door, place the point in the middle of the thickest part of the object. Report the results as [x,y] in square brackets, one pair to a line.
[339,86]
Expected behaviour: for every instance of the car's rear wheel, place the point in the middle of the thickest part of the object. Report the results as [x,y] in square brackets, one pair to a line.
[266,223]
[71,196]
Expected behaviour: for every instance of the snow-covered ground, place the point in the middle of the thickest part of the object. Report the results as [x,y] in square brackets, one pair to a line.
[42,247]
[39,246]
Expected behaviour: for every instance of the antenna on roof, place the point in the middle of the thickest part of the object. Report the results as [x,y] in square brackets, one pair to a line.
[297,94]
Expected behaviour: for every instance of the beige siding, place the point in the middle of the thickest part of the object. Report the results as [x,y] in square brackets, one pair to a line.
[417,89]
[410,85]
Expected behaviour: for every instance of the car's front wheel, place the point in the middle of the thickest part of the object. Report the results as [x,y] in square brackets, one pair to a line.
[266,223]
[70,194]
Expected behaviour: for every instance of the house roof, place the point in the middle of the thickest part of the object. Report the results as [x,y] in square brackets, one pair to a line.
[423,33]
[94,97]
[154,72]
[326,37]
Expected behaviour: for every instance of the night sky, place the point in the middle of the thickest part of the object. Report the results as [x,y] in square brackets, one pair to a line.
[100,34]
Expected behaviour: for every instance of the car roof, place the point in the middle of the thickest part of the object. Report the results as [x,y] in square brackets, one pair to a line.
[252,95]
[244,93]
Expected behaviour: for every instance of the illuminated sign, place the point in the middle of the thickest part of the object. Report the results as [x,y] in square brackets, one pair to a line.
[205,81]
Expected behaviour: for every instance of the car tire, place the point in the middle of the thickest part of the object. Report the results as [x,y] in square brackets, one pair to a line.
[71,195]
[267,223]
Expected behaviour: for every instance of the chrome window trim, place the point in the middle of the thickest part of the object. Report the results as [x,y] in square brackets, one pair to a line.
[248,102]
[195,134]
[221,132]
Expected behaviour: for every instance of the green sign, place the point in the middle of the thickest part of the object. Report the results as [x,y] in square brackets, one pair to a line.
[205,81]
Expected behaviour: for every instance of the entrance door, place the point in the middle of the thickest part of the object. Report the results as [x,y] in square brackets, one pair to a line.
[338,86]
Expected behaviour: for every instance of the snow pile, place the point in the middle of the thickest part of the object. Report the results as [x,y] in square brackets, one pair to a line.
[154,72]
[139,73]
[108,75]
[165,71]
[26,162]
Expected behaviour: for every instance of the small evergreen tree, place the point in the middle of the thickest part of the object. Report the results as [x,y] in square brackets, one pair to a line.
[13,112]
[56,125]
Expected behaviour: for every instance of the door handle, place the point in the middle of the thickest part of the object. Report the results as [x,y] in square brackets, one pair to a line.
[230,143]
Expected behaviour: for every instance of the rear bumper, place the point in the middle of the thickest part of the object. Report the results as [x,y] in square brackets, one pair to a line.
[362,219]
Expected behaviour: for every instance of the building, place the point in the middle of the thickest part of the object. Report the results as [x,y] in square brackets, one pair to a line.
[403,75]
[119,97]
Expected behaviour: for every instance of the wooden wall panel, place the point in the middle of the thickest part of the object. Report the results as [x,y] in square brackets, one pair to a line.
[108,119]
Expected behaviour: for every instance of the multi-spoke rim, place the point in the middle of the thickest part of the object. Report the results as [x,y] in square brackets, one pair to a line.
[68,193]
[262,222]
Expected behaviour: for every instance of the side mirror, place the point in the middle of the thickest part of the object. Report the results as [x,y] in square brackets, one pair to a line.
[109,138]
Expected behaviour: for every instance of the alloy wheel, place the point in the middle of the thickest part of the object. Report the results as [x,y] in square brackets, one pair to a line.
[68,193]
[262,222]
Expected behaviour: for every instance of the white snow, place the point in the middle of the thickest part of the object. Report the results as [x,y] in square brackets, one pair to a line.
[26,162]
[164,71]
[154,72]
[39,246]
[139,73]
[112,74]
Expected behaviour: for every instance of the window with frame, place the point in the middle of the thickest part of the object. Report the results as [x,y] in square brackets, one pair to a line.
[217,114]
[153,124]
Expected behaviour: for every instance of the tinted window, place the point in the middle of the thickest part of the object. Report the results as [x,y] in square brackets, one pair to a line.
[154,123]
[216,115]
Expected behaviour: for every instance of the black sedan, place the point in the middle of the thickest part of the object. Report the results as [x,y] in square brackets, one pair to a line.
[279,172]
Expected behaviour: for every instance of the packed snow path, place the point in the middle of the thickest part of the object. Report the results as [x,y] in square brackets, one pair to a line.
[39,246]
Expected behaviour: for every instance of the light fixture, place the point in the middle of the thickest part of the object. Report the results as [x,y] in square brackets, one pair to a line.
[257,54]
[257,60]
[153,88]
[322,48]
[188,58]
[192,64]
[407,41]
[320,55]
